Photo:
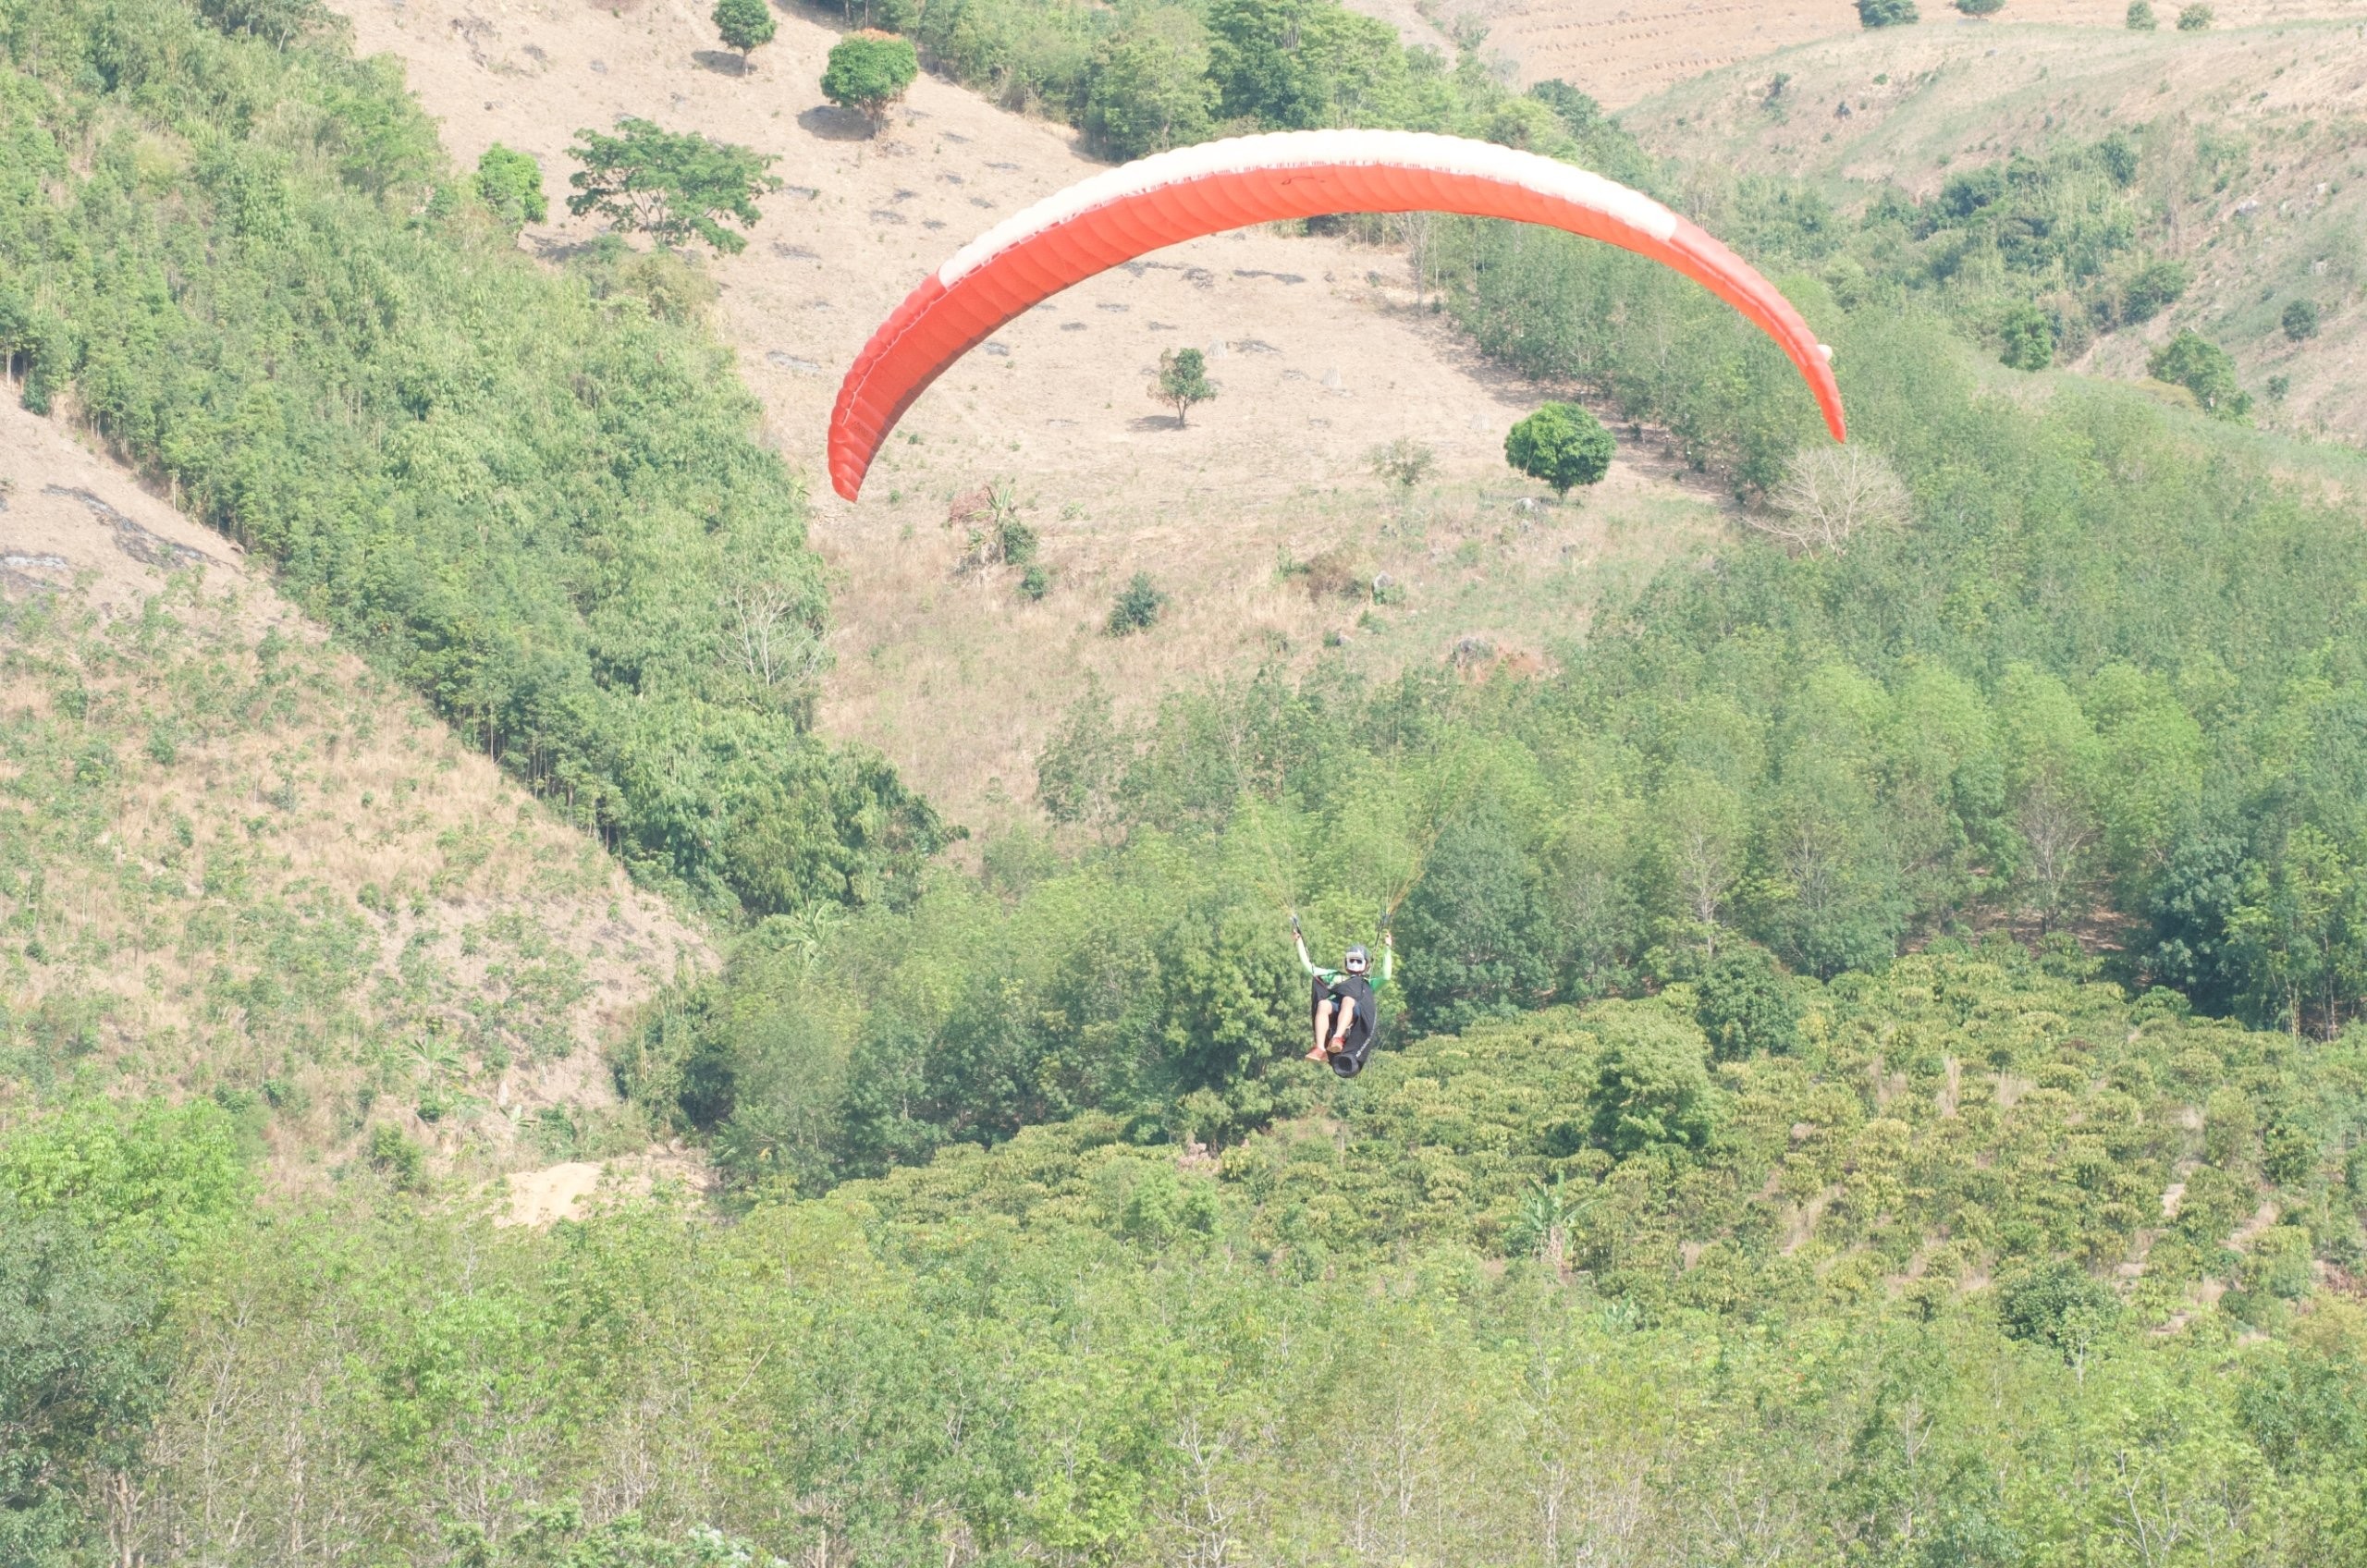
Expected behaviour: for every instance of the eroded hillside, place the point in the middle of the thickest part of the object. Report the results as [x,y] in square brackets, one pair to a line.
[1320,348]
[235,861]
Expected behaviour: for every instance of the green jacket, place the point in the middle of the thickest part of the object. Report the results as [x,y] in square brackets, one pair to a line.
[1333,977]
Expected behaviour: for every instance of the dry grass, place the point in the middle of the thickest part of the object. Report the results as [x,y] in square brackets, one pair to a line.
[249,864]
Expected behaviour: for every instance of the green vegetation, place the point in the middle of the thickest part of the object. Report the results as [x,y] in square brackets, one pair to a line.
[2195,18]
[1887,13]
[673,186]
[2300,319]
[1561,444]
[1562,1282]
[2202,367]
[1138,608]
[1980,7]
[509,183]
[744,25]
[537,499]
[869,72]
[2141,17]
[1183,381]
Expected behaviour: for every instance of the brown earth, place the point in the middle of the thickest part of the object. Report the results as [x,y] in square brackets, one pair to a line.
[306,884]
[1621,51]
[1324,354]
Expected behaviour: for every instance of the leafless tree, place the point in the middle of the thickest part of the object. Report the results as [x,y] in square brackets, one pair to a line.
[1830,495]
[773,641]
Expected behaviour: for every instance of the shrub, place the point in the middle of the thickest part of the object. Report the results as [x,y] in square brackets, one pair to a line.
[1887,13]
[2058,1304]
[510,185]
[2194,19]
[869,72]
[1404,463]
[2203,368]
[1034,583]
[2141,17]
[2154,290]
[2301,319]
[2029,339]
[402,1162]
[1980,7]
[1138,607]
[1563,445]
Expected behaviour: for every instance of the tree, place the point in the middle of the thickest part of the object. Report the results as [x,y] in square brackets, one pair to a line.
[1887,13]
[1652,1089]
[510,185]
[2300,320]
[1830,495]
[1138,607]
[1563,445]
[744,25]
[674,186]
[2058,1304]
[1150,88]
[277,22]
[869,72]
[1472,922]
[2195,18]
[2140,16]
[1745,1003]
[2029,339]
[1183,381]
[1980,7]
[2203,368]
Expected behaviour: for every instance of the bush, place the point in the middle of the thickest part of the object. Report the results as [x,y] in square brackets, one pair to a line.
[2203,368]
[1404,463]
[1561,444]
[2194,19]
[2140,16]
[2300,320]
[1034,583]
[1138,607]
[1980,7]
[510,185]
[869,72]
[2029,339]
[1887,13]
[395,1157]
[2058,1304]
[2154,290]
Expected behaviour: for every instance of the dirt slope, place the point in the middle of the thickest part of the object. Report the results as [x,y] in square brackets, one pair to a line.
[1323,355]
[2260,176]
[233,861]
[1624,50]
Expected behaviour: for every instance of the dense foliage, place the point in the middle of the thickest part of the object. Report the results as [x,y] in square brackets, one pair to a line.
[244,262]
[1987,1268]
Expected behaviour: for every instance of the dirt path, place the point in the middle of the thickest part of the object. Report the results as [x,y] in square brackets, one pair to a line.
[1316,345]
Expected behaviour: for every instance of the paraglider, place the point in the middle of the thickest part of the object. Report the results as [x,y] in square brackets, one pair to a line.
[1124,212]
[1347,1020]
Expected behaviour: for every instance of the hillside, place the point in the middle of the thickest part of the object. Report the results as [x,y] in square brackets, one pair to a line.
[2255,177]
[1622,54]
[236,863]
[1320,350]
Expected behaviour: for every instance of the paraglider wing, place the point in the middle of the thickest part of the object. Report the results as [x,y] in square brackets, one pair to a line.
[1127,212]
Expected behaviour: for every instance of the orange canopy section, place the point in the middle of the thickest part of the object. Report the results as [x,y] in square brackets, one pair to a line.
[1165,200]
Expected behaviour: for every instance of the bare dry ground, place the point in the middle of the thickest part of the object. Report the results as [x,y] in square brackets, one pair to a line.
[1621,51]
[1318,345]
[2262,185]
[234,860]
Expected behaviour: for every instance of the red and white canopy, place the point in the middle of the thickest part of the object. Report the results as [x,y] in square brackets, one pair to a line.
[1127,212]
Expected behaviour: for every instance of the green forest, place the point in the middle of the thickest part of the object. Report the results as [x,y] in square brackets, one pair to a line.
[1874,1074]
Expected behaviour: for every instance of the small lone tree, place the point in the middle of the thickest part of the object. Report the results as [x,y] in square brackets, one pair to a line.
[744,25]
[1887,13]
[1183,381]
[1563,445]
[868,71]
[673,187]
[511,184]
[2194,19]
[2203,368]
[2140,16]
